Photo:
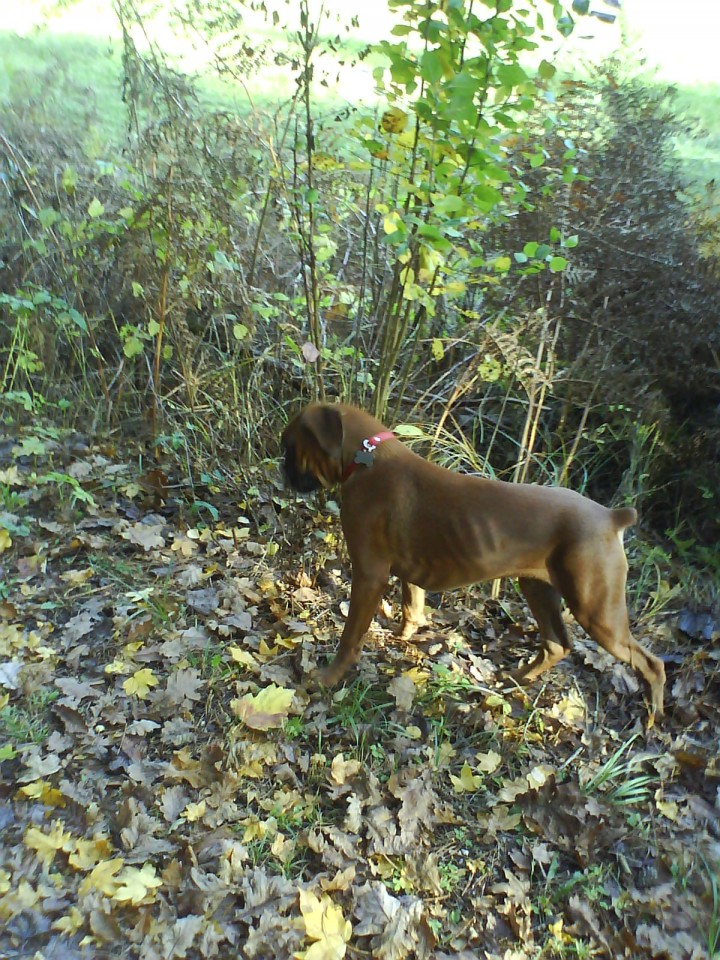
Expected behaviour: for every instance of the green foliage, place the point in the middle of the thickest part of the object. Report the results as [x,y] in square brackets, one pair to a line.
[501,254]
[443,177]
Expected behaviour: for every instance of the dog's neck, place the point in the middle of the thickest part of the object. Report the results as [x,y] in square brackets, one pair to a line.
[365,455]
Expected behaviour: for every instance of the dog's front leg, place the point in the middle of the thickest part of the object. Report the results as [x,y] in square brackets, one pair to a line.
[413,610]
[365,595]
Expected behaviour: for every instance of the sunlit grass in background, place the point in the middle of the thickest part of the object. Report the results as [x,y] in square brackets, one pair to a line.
[69,68]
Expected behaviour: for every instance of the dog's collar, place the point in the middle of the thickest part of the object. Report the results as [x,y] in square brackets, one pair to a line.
[365,455]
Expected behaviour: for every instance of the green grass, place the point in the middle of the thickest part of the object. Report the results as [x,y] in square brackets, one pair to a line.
[700,152]
[71,84]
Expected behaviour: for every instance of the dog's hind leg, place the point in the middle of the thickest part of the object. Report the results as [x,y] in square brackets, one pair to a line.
[413,610]
[594,588]
[604,617]
[545,603]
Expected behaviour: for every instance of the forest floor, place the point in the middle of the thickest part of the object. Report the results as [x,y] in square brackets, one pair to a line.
[171,786]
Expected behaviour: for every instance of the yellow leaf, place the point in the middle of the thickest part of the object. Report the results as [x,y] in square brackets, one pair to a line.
[77,577]
[117,666]
[70,923]
[103,877]
[668,808]
[5,540]
[430,262]
[539,774]
[46,845]
[140,682]
[243,657]
[394,120]
[88,853]
[268,708]
[11,477]
[392,222]
[138,885]
[467,782]
[324,922]
[488,762]
[43,791]
[194,811]
[254,829]
[183,545]
[342,770]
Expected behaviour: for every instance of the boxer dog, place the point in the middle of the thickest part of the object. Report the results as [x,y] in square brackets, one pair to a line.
[436,529]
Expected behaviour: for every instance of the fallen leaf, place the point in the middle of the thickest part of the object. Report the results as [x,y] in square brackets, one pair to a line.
[140,683]
[268,708]
[324,923]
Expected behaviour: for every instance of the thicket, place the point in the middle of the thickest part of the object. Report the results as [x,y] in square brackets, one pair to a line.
[504,255]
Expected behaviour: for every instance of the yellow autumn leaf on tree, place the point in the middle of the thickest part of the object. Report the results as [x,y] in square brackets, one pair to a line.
[268,708]
[392,222]
[138,885]
[5,540]
[140,683]
[103,877]
[46,845]
[467,782]
[394,120]
[324,923]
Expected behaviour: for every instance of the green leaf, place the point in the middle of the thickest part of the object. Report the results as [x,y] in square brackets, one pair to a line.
[96,209]
[408,430]
[433,65]
[502,264]
[240,331]
[511,74]
[449,205]
[546,70]
[47,217]
[132,347]
[69,180]
[557,264]
[566,25]
[437,349]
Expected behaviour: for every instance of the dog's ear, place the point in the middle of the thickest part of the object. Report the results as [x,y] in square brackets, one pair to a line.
[324,422]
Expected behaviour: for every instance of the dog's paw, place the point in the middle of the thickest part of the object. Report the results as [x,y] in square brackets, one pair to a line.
[328,678]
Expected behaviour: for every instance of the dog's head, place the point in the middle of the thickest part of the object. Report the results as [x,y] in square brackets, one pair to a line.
[312,445]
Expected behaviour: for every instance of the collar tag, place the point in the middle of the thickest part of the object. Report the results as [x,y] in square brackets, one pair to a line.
[366,454]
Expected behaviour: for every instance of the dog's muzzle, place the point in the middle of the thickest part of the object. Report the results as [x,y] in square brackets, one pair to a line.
[302,481]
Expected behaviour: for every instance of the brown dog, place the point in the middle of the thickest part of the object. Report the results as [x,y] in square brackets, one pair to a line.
[435,529]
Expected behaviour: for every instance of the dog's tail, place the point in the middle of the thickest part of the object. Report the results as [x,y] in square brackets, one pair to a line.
[624,517]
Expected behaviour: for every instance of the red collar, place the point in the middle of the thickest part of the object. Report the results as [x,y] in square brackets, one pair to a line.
[366,451]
